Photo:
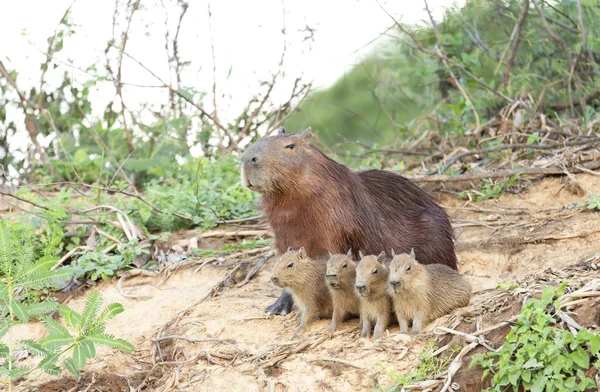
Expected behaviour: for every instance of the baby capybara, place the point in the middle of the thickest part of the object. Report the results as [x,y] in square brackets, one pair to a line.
[305,278]
[311,201]
[340,278]
[375,302]
[424,292]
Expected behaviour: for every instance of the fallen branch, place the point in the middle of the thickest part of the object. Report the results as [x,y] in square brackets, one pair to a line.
[239,233]
[482,151]
[257,267]
[341,361]
[504,173]
[457,364]
[132,274]
[197,340]
[69,254]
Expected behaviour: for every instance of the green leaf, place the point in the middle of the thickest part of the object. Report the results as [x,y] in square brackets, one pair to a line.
[54,341]
[595,345]
[4,351]
[54,327]
[41,308]
[34,348]
[92,306]
[88,346]
[581,358]
[70,366]
[110,312]
[19,310]
[78,357]
[110,341]
[42,265]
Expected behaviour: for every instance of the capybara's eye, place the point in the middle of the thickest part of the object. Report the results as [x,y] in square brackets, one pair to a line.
[290,265]
[290,146]
[345,265]
[374,271]
[408,268]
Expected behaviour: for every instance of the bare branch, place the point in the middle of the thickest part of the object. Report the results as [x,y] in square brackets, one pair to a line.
[513,54]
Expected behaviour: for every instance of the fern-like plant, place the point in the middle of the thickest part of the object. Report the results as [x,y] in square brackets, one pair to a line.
[19,273]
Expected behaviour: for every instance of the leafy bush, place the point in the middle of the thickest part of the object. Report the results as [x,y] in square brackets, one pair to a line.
[207,192]
[21,274]
[539,356]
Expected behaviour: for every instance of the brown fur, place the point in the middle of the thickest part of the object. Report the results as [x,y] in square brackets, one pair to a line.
[314,202]
[340,278]
[375,302]
[424,292]
[305,278]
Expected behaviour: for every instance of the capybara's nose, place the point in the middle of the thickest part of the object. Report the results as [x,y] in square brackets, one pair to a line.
[360,287]
[254,160]
[395,283]
[274,279]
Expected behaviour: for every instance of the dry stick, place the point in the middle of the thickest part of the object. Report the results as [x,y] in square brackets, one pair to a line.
[503,173]
[341,361]
[24,200]
[456,365]
[130,274]
[548,146]
[513,53]
[203,112]
[239,233]
[583,169]
[110,237]
[197,340]
[30,123]
[256,268]
[69,254]
[586,99]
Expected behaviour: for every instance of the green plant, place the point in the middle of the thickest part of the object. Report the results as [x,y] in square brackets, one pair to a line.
[592,204]
[21,275]
[491,189]
[506,285]
[539,356]
[429,366]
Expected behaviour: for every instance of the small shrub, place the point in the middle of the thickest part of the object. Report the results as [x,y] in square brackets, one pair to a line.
[539,356]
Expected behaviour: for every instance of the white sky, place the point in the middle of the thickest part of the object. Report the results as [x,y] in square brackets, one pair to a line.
[246,34]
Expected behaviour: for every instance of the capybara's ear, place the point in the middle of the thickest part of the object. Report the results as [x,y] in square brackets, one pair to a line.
[412,253]
[360,254]
[290,249]
[281,131]
[349,254]
[381,257]
[305,136]
[393,253]
[301,253]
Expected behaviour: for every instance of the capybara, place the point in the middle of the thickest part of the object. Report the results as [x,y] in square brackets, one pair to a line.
[340,278]
[424,292]
[311,201]
[305,278]
[375,302]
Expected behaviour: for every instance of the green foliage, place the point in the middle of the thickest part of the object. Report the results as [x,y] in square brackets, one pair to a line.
[592,204]
[491,189]
[21,274]
[507,285]
[428,367]
[206,192]
[539,356]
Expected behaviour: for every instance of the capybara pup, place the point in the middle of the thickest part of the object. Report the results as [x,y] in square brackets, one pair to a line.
[340,278]
[375,302]
[424,292]
[305,278]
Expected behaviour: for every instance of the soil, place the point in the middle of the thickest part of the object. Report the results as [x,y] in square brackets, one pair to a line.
[512,238]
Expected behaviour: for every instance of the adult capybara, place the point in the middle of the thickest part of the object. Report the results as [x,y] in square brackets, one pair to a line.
[311,201]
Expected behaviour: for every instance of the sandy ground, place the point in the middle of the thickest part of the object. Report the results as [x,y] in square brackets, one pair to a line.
[500,240]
